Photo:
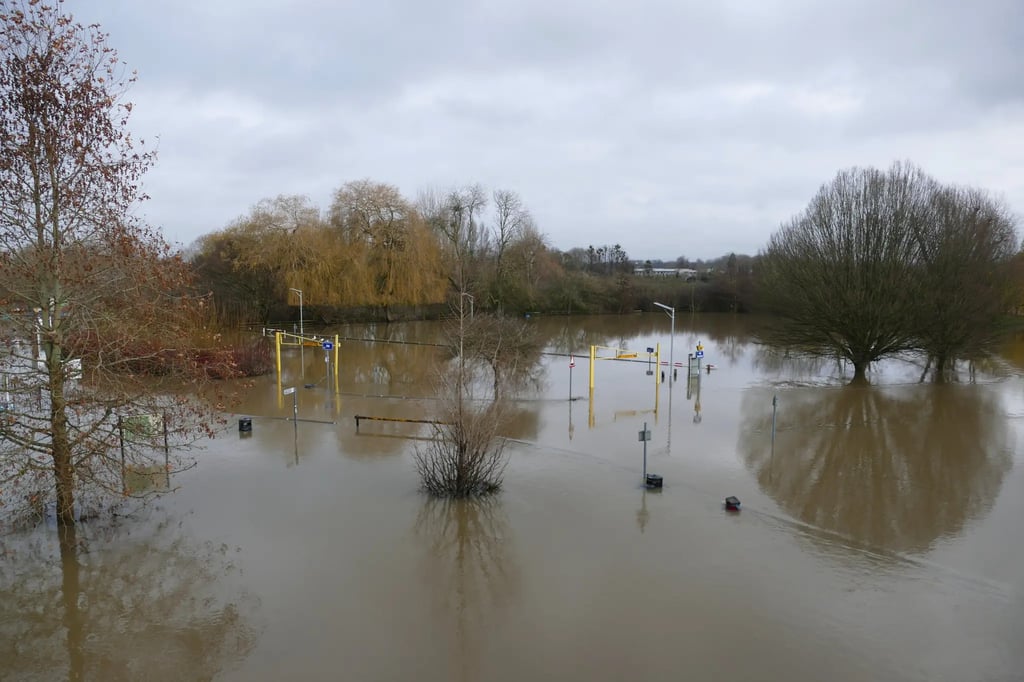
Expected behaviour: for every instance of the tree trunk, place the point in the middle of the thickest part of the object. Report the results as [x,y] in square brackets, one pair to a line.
[940,368]
[63,467]
[860,369]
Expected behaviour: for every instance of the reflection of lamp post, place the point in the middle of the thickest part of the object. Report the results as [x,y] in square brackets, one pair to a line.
[672,339]
[295,417]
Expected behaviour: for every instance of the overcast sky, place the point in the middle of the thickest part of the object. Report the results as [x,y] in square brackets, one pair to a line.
[670,127]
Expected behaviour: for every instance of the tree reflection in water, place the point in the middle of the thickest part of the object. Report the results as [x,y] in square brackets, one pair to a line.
[894,468]
[470,568]
[87,604]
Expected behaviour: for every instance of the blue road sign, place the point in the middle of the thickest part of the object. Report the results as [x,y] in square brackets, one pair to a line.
[327,345]
[699,354]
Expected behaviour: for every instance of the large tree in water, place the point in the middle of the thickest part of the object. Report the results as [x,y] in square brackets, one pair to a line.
[95,303]
[870,268]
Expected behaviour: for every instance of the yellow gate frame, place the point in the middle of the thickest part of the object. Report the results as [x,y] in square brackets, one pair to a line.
[622,354]
[289,339]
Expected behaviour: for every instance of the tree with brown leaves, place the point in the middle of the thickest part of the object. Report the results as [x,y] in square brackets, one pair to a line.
[95,303]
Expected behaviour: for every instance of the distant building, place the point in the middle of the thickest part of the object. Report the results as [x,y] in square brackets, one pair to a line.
[682,273]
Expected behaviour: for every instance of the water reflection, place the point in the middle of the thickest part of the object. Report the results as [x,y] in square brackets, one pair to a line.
[470,567]
[793,368]
[84,604]
[895,469]
[575,334]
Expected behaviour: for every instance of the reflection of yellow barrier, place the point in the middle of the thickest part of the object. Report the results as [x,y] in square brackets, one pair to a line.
[623,354]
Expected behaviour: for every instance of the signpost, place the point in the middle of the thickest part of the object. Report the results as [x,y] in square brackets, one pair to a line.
[295,405]
[645,436]
[572,363]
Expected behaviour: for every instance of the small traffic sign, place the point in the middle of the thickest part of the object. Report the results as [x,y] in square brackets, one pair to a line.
[650,350]
[644,435]
[572,361]
[699,354]
[327,345]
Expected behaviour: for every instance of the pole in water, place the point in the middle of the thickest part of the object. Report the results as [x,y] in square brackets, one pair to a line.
[644,434]
[572,363]
[771,462]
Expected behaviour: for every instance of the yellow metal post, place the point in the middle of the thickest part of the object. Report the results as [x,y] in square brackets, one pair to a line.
[593,353]
[590,414]
[657,355]
[277,353]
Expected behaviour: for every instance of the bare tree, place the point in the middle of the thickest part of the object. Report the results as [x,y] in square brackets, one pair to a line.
[510,220]
[455,218]
[508,346]
[466,456]
[98,301]
[841,275]
[966,251]
[887,261]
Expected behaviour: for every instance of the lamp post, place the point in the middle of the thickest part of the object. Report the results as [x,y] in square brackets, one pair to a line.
[299,292]
[302,333]
[671,312]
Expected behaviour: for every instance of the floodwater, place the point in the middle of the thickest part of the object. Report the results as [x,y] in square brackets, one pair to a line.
[880,536]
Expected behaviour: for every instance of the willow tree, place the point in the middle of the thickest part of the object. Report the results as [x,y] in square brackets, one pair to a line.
[401,259]
[96,303]
[842,275]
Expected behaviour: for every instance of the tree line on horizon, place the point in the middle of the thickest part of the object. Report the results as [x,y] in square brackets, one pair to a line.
[374,254]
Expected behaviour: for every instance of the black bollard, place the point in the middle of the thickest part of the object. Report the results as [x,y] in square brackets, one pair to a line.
[245,425]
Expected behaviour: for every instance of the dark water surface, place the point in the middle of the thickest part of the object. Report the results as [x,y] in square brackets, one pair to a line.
[882,538]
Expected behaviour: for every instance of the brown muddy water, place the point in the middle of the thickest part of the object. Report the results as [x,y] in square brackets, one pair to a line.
[881,538]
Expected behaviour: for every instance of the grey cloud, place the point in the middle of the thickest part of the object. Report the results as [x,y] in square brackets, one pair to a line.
[670,127]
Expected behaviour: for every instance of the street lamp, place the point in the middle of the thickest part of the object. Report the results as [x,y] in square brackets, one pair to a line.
[299,292]
[671,312]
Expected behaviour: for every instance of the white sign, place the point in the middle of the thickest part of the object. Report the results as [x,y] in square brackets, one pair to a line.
[288,391]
